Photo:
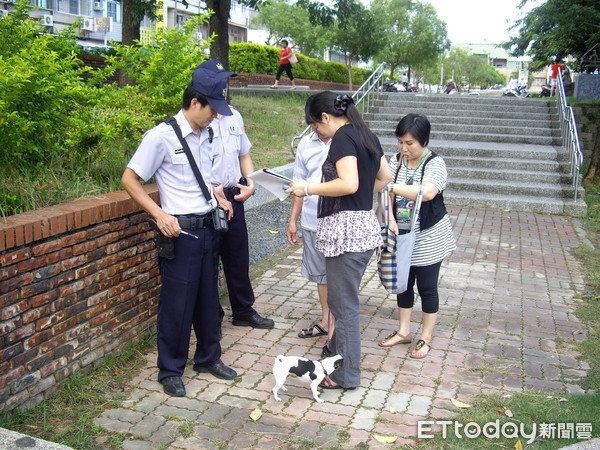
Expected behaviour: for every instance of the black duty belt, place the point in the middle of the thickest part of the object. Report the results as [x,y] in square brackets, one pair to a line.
[194,222]
[231,191]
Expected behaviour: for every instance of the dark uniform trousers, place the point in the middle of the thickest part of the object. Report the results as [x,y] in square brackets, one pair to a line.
[189,298]
[236,262]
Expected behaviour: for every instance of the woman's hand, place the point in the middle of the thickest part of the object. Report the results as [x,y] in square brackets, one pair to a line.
[297,188]
[393,226]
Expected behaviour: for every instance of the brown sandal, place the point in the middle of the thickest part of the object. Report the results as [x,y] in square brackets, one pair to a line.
[403,340]
[420,344]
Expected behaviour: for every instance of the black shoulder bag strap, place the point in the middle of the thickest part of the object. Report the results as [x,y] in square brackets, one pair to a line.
[173,122]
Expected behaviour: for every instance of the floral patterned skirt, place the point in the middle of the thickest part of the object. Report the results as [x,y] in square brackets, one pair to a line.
[348,231]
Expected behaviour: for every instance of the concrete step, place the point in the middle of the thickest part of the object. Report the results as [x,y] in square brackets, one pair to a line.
[505,130]
[440,110]
[515,152]
[515,105]
[465,100]
[502,164]
[478,137]
[500,173]
[436,120]
[506,187]
[538,203]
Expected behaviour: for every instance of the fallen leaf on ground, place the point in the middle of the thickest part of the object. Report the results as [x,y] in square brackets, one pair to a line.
[508,413]
[273,231]
[518,446]
[385,439]
[256,414]
[392,410]
[507,396]
[459,404]
[563,400]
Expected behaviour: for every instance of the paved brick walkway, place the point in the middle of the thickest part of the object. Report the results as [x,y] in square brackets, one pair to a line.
[507,292]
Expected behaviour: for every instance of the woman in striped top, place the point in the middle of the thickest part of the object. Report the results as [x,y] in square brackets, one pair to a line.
[415,164]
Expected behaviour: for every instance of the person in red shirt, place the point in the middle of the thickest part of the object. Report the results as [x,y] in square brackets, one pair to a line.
[285,64]
[554,68]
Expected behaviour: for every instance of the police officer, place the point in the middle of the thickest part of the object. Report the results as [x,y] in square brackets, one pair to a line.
[231,171]
[189,294]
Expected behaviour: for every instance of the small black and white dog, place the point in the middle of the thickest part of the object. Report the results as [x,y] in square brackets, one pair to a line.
[307,370]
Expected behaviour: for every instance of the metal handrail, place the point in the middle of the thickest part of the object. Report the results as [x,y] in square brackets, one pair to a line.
[568,132]
[366,90]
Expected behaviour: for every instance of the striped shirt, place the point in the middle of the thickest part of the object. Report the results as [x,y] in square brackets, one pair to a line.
[433,244]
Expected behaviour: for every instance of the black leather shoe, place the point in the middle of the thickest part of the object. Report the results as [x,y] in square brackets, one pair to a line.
[173,386]
[218,369]
[254,321]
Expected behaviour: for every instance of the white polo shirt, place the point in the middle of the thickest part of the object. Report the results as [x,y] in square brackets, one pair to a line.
[231,140]
[310,157]
[161,154]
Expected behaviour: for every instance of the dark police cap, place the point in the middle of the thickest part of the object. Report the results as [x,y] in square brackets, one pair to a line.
[210,80]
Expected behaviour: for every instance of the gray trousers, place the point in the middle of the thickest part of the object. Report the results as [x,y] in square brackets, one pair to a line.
[344,274]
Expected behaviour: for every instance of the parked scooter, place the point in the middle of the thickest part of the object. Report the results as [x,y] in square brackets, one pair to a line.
[518,91]
[546,89]
[397,86]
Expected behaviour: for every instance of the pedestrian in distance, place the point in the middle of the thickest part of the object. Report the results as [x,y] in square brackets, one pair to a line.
[187,238]
[416,165]
[348,231]
[284,64]
[555,68]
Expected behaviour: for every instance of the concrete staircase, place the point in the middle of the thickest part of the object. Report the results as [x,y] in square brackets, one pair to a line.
[501,152]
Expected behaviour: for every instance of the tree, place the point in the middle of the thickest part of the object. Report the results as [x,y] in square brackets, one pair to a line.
[557,28]
[135,10]
[357,33]
[414,35]
[284,20]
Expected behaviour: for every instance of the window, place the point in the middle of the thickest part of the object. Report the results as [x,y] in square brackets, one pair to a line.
[73,6]
[180,20]
[114,11]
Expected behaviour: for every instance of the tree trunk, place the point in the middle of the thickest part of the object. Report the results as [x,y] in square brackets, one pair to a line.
[219,25]
[130,30]
[594,168]
[349,67]
[130,33]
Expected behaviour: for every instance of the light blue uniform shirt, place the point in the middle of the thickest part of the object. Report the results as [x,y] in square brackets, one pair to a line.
[310,157]
[160,154]
[232,142]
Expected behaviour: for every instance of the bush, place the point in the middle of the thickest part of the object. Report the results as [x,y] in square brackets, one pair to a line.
[256,58]
[40,85]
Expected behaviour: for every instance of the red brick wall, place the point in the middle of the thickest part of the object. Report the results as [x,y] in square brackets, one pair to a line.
[77,282]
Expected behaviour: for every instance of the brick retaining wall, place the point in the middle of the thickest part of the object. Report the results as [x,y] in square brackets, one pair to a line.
[77,282]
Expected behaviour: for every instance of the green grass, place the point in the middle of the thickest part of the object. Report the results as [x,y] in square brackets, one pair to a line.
[67,416]
[271,122]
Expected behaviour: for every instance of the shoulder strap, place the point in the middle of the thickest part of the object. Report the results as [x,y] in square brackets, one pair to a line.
[433,155]
[173,122]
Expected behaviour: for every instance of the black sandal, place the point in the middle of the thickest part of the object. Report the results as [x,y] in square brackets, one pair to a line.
[308,332]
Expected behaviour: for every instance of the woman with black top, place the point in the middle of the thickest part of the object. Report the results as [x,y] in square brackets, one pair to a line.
[348,231]
[415,164]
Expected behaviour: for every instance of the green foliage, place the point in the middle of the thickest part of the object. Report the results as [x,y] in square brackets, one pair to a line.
[285,20]
[40,85]
[557,28]
[414,35]
[256,58]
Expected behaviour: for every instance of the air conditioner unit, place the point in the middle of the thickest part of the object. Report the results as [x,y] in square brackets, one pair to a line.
[98,6]
[3,13]
[48,20]
[87,24]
